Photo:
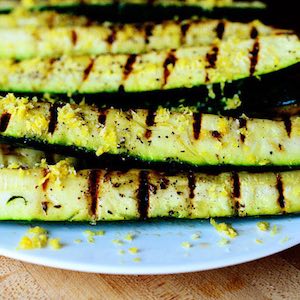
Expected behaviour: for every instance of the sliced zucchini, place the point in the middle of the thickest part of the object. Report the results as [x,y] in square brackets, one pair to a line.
[24,19]
[168,69]
[58,193]
[161,135]
[15,157]
[55,41]
[204,4]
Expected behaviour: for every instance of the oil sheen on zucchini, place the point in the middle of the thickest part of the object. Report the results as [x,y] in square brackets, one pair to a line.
[153,135]
[166,69]
[58,193]
[28,38]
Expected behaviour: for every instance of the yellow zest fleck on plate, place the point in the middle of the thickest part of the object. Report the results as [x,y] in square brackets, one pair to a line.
[133,250]
[263,226]
[186,245]
[118,242]
[78,241]
[258,241]
[55,244]
[275,230]
[195,236]
[284,240]
[121,252]
[129,237]
[223,242]
[224,228]
[137,259]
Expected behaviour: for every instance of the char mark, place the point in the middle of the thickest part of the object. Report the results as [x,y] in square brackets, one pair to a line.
[143,195]
[254,57]
[46,181]
[102,117]
[236,192]
[45,206]
[211,59]
[112,36]
[4,120]
[288,125]
[164,183]
[279,186]
[148,32]
[192,184]
[216,134]
[74,37]
[220,29]
[253,33]
[197,125]
[150,121]
[242,124]
[53,117]
[88,69]
[129,66]
[94,179]
[169,61]
[184,29]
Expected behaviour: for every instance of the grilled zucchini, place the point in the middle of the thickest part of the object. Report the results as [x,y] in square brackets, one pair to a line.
[204,4]
[58,193]
[37,41]
[167,69]
[161,135]
[24,19]
[13,157]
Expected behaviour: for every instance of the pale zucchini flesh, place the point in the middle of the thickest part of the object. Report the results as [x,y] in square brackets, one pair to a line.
[29,40]
[163,70]
[99,195]
[160,135]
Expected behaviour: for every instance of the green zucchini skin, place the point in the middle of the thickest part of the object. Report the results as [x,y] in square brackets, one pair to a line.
[63,38]
[161,135]
[163,70]
[99,195]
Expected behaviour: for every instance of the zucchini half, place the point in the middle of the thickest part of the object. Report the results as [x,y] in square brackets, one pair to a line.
[58,193]
[167,69]
[24,19]
[37,41]
[15,157]
[152,135]
[205,4]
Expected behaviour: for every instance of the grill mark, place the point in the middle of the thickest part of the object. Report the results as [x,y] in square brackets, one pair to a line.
[170,60]
[150,121]
[45,206]
[94,179]
[112,36]
[220,29]
[129,65]
[184,29]
[4,120]
[236,191]
[242,124]
[192,184]
[253,33]
[288,125]
[211,59]
[88,69]
[143,195]
[164,183]
[197,125]
[148,32]
[45,183]
[216,134]
[74,37]
[53,117]
[102,117]
[254,57]
[279,186]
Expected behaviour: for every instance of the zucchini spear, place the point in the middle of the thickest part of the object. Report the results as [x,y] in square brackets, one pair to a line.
[58,193]
[167,69]
[36,40]
[152,135]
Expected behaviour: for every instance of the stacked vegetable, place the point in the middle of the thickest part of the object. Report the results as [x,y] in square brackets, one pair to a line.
[204,99]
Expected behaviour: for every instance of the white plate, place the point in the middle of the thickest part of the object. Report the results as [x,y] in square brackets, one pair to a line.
[159,244]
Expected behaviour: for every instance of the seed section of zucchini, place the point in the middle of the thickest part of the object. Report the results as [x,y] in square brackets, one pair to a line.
[99,195]
[160,135]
